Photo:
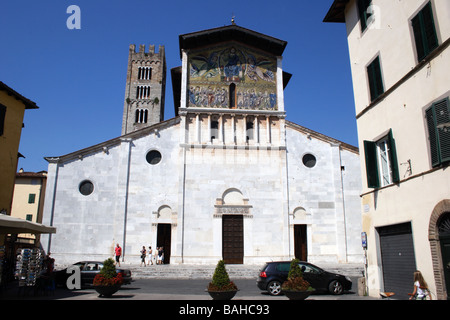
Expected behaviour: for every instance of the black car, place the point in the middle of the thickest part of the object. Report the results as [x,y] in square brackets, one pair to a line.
[273,274]
[88,271]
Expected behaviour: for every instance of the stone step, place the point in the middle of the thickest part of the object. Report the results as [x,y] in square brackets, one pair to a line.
[234,271]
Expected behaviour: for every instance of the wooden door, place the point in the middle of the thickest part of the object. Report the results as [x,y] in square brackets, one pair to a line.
[233,239]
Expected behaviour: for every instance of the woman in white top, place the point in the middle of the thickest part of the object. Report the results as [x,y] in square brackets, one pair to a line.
[421,290]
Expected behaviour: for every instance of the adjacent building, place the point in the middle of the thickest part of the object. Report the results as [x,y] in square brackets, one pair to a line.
[28,201]
[400,57]
[12,111]
[229,177]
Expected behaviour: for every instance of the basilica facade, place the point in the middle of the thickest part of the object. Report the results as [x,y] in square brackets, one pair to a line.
[229,177]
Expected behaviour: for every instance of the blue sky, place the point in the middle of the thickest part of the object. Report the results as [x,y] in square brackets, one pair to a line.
[77,77]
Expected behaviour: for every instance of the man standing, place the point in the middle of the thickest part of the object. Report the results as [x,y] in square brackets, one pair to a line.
[118,253]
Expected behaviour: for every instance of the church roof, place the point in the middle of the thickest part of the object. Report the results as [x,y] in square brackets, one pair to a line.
[336,12]
[232,32]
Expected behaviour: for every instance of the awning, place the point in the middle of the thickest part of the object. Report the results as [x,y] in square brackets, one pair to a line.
[13,225]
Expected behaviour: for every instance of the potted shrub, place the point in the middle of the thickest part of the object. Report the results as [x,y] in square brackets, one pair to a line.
[221,287]
[108,281]
[295,287]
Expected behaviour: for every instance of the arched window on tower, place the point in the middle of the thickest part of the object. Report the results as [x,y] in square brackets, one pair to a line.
[143,92]
[141,116]
[144,73]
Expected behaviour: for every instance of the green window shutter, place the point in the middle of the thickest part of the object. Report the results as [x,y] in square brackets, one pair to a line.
[31,198]
[370,151]
[417,29]
[442,114]
[438,122]
[363,5]
[434,149]
[424,32]
[375,79]
[393,158]
[429,28]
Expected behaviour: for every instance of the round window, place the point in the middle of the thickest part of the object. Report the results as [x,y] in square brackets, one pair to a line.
[153,157]
[309,160]
[86,187]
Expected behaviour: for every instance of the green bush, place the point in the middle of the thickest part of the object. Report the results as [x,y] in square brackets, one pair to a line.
[220,280]
[295,270]
[295,281]
[109,269]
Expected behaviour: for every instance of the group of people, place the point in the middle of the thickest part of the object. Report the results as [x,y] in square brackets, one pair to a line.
[158,256]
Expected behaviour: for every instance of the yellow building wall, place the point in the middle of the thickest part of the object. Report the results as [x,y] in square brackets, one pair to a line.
[9,147]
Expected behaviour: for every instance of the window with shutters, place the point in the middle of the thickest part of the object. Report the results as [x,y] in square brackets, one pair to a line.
[438,123]
[381,162]
[364,15]
[424,32]
[31,198]
[375,79]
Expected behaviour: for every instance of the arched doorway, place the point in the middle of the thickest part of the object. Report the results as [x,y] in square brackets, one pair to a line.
[232,208]
[165,221]
[439,236]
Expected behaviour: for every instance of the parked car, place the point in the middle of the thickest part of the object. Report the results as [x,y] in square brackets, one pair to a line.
[88,271]
[273,274]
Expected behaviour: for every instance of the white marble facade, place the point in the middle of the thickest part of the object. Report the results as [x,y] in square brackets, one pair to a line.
[273,176]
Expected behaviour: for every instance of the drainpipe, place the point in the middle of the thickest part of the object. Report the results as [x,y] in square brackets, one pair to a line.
[342,168]
[129,141]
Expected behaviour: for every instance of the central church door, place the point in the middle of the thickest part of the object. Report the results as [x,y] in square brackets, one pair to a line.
[233,239]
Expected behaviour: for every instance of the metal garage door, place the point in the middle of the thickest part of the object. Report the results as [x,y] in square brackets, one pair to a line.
[398,260]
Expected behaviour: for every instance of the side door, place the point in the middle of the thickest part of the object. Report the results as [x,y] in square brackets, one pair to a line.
[312,275]
[90,270]
[283,270]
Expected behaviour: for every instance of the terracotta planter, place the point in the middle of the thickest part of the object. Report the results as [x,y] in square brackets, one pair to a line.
[297,295]
[107,291]
[222,295]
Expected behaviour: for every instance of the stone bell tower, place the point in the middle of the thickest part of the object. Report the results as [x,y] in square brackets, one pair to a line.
[145,88]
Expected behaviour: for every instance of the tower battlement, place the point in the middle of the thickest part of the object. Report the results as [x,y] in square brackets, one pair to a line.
[151,49]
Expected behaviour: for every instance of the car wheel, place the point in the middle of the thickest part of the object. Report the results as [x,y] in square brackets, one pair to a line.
[336,287]
[274,288]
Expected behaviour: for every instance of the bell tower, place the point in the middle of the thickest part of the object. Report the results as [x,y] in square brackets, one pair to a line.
[145,88]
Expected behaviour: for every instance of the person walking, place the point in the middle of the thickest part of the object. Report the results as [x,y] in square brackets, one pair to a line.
[117,253]
[150,255]
[143,254]
[421,290]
